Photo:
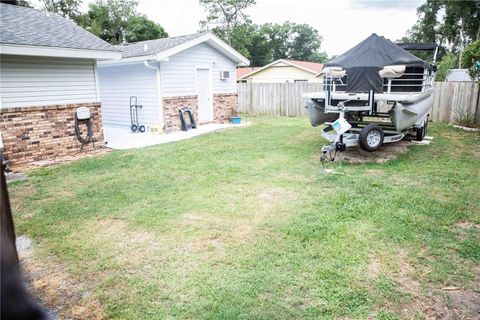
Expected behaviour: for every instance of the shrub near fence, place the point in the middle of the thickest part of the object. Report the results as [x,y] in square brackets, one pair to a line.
[452,100]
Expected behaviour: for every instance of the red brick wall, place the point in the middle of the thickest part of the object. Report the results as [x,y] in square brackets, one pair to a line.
[171,105]
[224,105]
[45,133]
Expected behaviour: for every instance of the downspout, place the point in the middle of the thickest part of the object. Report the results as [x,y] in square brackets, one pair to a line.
[146,64]
[159,91]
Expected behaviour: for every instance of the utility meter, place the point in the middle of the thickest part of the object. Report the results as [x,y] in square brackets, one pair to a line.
[83,113]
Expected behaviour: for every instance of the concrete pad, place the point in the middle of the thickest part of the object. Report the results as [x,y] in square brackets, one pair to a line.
[123,138]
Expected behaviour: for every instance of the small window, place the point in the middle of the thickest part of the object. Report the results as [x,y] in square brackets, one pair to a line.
[224,75]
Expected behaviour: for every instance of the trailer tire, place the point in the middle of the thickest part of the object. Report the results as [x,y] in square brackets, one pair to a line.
[371,137]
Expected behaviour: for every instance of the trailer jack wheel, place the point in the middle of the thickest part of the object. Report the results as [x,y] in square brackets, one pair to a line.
[371,138]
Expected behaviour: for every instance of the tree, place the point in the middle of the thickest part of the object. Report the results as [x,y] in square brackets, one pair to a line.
[225,15]
[108,19]
[21,3]
[444,66]
[66,8]
[117,21]
[451,24]
[140,28]
[471,60]
[294,41]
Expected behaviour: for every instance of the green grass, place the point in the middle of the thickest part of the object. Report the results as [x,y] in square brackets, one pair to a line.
[242,224]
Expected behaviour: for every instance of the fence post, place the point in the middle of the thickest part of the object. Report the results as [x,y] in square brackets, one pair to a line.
[250,96]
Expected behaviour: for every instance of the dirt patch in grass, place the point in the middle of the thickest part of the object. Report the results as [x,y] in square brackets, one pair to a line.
[385,153]
[297,177]
[64,296]
[22,193]
[434,303]
[467,225]
[458,304]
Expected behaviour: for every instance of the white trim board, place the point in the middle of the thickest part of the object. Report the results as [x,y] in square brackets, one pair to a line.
[22,50]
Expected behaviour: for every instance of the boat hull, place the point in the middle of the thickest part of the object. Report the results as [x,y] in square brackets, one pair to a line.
[316,113]
[404,116]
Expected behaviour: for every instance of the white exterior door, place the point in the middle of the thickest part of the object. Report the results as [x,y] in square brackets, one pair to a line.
[204,92]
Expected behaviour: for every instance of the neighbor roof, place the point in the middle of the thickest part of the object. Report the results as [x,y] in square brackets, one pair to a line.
[161,49]
[245,70]
[29,27]
[312,67]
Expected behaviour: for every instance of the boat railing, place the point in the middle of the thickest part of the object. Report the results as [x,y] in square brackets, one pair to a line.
[413,80]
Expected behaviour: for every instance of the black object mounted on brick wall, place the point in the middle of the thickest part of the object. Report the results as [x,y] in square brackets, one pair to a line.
[187,126]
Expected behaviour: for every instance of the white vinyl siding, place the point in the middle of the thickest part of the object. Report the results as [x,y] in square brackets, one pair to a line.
[179,72]
[118,84]
[38,81]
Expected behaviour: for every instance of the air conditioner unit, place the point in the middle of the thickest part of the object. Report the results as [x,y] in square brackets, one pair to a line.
[224,75]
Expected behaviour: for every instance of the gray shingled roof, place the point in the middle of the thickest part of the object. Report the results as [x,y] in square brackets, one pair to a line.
[137,49]
[26,26]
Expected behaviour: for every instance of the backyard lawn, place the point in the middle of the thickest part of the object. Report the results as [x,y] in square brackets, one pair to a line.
[242,224]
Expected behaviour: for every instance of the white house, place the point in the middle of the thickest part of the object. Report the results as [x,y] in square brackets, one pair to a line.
[48,68]
[196,71]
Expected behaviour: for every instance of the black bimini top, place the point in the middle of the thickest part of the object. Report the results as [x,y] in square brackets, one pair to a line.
[363,62]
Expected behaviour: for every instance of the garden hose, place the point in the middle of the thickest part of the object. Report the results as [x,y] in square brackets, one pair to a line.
[89,136]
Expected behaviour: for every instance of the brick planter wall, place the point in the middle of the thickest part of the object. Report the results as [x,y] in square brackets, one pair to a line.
[46,133]
[224,105]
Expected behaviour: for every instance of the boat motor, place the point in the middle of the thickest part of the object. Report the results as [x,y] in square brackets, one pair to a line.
[82,115]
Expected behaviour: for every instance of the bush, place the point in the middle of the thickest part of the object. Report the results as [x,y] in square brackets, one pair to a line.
[447,63]
[471,60]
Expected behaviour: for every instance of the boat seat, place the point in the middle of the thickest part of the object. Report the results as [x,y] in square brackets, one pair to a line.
[335,72]
[392,71]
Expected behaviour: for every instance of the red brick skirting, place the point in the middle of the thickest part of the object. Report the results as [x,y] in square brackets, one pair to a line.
[224,105]
[45,133]
[171,105]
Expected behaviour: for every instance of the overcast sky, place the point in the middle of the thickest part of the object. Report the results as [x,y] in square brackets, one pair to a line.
[342,23]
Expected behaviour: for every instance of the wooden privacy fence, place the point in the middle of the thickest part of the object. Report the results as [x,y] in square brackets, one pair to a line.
[452,100]
[283,99]
[455,101]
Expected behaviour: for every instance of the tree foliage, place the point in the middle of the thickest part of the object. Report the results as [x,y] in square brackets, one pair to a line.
[108,19]
[117,21]
[294,41]
[448,62]
[471,60]
[66,8]
[451,24]
[140,28]
[265,43]
[225,16]
[21,3]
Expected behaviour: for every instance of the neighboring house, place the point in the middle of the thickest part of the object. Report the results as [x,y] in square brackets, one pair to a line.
[458,75]
[196,71]
[47,70]
[283,71]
